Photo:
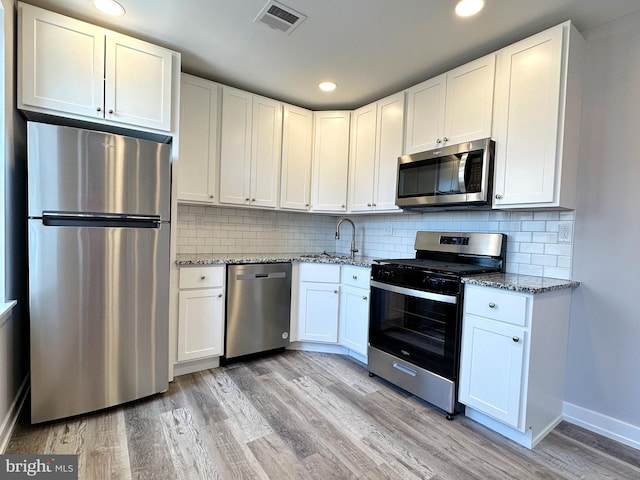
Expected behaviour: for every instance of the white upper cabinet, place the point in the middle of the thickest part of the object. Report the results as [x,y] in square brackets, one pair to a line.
[330,161]
[297,145]
[250,148]
[537,120]
[376,143]
[75,69]
[198,158]
[452,108]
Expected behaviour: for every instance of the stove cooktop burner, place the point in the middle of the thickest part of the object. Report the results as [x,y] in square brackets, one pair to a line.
[426,265]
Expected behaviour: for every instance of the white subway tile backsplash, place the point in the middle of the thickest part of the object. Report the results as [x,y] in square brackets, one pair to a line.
[532,243]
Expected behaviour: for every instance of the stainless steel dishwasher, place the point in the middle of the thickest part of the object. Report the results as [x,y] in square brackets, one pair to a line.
[258,308]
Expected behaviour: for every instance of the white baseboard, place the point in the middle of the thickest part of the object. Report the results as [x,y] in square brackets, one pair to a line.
[598,423]
[10,419]
[184,368]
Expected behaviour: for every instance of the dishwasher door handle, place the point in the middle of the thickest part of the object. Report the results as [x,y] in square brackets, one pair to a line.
[254,276]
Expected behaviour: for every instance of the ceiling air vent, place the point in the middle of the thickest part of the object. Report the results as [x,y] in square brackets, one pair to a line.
[280,17]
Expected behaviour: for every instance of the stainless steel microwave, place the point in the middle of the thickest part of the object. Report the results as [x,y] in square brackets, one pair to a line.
[456,176]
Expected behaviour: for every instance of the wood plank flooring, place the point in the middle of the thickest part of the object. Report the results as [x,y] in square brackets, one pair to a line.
[301,415]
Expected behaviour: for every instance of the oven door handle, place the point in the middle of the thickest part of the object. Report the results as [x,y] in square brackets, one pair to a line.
[437,297]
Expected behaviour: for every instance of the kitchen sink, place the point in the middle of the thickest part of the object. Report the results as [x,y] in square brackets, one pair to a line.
[324,255]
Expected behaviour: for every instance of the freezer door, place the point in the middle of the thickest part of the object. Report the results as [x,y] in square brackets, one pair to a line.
[76,170]
[99,316]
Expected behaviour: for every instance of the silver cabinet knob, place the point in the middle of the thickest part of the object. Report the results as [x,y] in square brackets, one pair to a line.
[253,199]
[364,298]
[306,205]
[110,110]
[344,206]
[203,277]
[368,204]
[438,141]
[246,199]
[373,204]
[335,291]
[492,305]
[516,339]
[445,139]
[210,196]
[219,295]
[499,196]
[355,277]
[98,109]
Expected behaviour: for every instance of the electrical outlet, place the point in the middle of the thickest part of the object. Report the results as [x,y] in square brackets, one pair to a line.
[200,220]
[387,230]
[564,232]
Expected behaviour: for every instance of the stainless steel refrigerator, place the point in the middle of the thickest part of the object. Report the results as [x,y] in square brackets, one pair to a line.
[98,225]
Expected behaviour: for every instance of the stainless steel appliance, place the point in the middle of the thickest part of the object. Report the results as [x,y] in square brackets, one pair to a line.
[98,226]
[415,318]
[456,176]
[258,308]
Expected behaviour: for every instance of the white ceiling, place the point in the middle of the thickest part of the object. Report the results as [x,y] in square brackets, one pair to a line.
[371,48]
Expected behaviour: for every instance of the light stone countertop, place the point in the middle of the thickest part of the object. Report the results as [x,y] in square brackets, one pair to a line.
[520,283]
[235,259]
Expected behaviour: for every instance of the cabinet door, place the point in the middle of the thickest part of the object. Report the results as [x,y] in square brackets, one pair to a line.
[362,158]
[200,323]
[526,119]
[425,115]
[330,161]
[354,319]
[266,134]
[235,146]
[318,312]
[297,143]
[61,63]
[469,104]
[491,368]
[389,138]
[198,158]
[137,82]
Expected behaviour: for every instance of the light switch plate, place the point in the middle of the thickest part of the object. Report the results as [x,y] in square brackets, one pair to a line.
[565,230]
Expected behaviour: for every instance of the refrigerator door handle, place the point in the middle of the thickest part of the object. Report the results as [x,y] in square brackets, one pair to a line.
[72,219]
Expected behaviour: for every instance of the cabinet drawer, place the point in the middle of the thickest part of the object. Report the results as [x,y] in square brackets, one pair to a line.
[202,277]
[355,276]
[496,304]
[317,272]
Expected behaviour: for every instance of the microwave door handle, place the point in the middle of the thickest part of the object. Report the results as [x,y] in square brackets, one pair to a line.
[462,169]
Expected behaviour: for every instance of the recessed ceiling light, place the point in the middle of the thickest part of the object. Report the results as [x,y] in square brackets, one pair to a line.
[466,8]
[110,7]
[327,86]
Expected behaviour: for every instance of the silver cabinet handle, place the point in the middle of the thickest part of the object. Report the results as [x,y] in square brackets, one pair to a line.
[499,196]
[516,339]
[492,305]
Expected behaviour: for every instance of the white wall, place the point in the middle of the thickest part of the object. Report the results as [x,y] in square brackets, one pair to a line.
[603,384]
[14,329]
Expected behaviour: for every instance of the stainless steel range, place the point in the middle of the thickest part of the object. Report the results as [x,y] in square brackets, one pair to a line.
[415,317]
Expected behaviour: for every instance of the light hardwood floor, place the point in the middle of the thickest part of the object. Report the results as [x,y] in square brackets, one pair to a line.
[301,415]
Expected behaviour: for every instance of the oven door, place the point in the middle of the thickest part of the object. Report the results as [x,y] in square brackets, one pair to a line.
[416,326]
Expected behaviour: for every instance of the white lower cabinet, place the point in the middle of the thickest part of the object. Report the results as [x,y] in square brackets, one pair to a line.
[201,312]
[354,309]
[318,299]
[331,306]
[512,360]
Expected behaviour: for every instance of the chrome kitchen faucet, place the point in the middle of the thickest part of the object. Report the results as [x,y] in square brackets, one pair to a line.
[353,236]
